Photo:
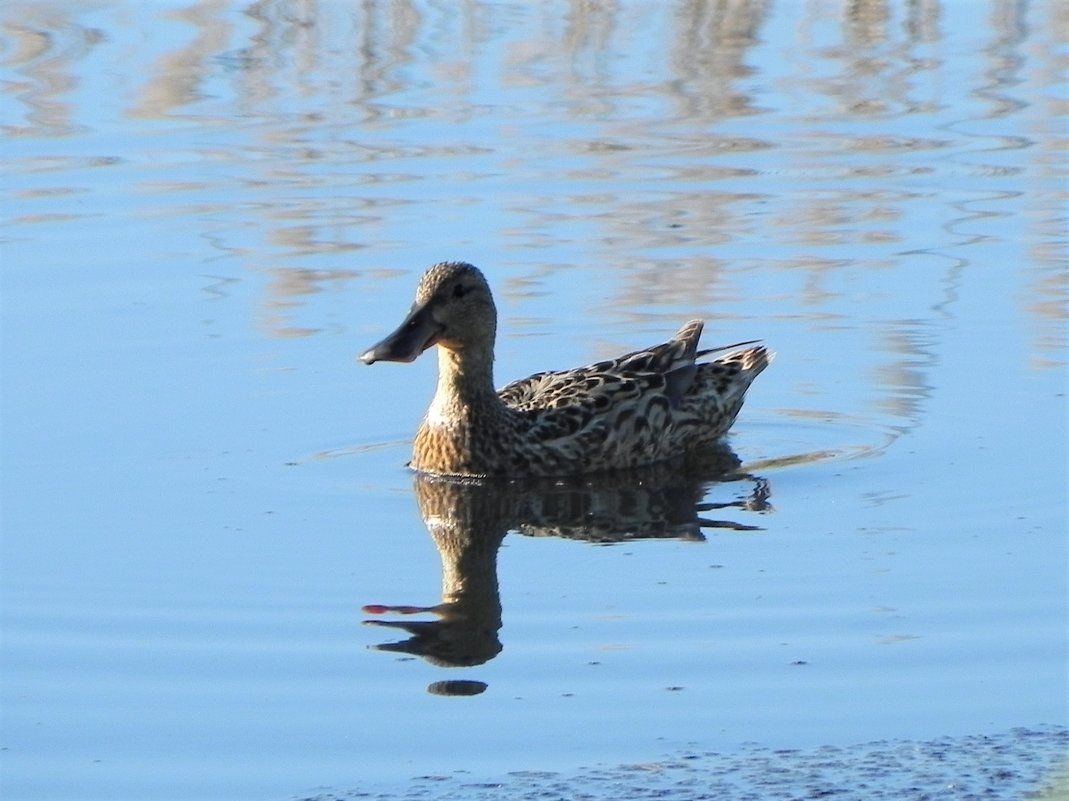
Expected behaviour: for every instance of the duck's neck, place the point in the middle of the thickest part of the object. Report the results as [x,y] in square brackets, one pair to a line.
[465,386]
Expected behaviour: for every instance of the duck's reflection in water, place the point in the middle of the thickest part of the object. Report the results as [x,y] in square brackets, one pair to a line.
[468,521]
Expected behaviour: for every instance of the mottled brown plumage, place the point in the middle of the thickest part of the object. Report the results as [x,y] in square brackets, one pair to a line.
[644,407]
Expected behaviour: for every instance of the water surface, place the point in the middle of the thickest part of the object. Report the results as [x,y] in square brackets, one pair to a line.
[212,207]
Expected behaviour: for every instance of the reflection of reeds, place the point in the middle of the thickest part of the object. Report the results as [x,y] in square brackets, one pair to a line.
[469,519]
[42,43]
[805,155]
[179,76]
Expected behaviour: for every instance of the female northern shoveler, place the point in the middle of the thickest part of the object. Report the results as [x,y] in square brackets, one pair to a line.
[641,408]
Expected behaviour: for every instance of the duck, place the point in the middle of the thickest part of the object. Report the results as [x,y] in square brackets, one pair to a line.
[645,407]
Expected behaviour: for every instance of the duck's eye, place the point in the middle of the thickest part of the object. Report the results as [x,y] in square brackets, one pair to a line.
[459,291]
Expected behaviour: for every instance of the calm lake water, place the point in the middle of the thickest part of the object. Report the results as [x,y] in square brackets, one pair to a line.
[212,207]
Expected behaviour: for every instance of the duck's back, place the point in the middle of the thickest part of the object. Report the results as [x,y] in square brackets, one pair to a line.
[563,387]
[643,407]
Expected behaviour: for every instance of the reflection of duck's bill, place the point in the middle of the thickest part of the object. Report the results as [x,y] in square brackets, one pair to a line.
[383,609]
[416,628]
[411,626]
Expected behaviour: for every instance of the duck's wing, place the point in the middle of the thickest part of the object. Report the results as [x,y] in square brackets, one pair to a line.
[631,410]
[604,379]
[625,420]
[589,412]
[677,353]
[586,389]
[663,357]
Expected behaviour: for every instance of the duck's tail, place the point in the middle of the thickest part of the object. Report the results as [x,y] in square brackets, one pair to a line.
[750,361]
[719,389]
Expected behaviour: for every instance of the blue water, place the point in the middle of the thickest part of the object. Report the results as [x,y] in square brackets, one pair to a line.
[212,208]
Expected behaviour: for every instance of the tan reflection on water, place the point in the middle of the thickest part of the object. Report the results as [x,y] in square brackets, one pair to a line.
[177,77]
[856,70]
[44,44]
[285,291]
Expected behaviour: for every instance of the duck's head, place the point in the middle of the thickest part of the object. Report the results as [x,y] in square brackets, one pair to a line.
[453,309]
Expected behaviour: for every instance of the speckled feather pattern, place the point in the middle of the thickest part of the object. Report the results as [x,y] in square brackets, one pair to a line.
[641,408]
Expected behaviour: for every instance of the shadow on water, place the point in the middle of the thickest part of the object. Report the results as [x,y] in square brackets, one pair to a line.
[468,521]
